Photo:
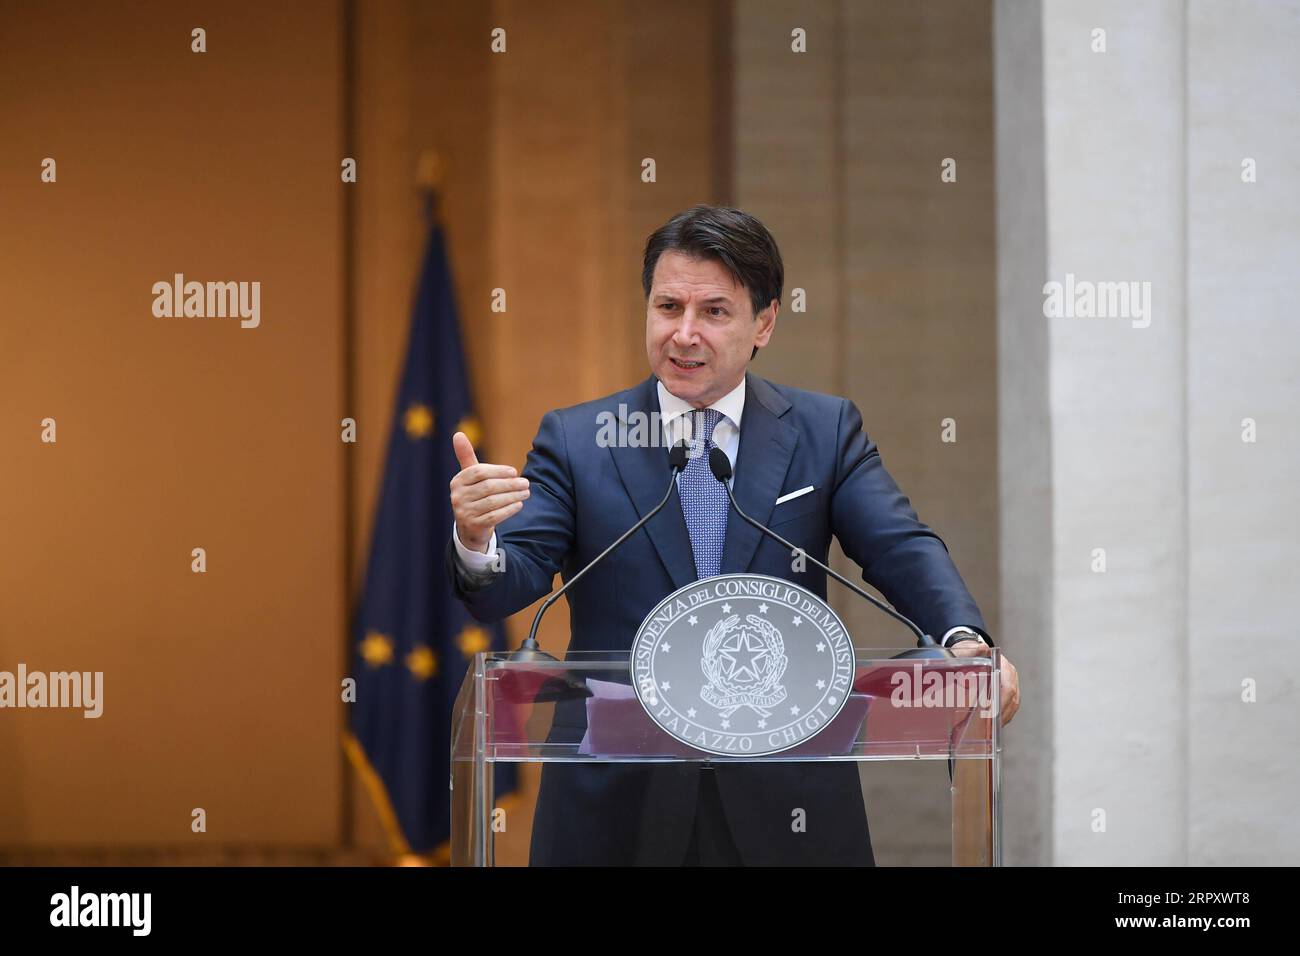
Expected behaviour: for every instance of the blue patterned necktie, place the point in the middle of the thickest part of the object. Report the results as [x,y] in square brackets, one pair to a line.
[704,500]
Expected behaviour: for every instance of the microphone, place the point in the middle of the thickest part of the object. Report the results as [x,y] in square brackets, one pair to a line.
[928,647]
[529,649]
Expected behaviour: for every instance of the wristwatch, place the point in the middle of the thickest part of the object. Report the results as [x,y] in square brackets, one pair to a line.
[964,633]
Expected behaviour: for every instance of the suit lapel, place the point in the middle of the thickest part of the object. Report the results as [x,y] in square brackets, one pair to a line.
[766,446]
[644,472]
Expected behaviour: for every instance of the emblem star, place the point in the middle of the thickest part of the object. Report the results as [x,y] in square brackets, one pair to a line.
[820,647]
[691,713]
[762,725]
[692,620]
[666,686]
[726,609]
[821,685]
[794,710]
[744,656]
[797,620]
[665,648]
[726,725]
[762,609]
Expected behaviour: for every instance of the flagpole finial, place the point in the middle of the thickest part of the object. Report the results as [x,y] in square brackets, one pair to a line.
[430,170]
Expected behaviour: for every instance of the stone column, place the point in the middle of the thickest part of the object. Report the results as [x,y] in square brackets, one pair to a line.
[1145,545]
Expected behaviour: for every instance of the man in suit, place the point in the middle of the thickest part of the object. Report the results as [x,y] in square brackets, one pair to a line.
[802,464]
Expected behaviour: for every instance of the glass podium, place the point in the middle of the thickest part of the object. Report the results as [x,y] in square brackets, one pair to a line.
[615,789]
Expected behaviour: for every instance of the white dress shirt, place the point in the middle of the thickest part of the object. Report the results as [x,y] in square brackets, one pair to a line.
[673,417]
[726,434]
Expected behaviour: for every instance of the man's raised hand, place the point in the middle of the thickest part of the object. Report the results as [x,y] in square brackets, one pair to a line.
[482,496]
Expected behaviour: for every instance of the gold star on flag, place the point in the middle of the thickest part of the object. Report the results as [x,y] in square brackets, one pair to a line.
[473,639]
[377,649]
[472,429]
[422,662]
[418,421]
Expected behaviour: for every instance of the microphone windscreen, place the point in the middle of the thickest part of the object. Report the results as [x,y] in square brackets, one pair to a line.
[677,456]
[719,464]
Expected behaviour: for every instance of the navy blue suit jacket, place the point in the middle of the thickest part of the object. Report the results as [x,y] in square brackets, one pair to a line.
[584,495]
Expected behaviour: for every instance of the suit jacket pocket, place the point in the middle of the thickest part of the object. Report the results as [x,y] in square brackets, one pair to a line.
[796,507]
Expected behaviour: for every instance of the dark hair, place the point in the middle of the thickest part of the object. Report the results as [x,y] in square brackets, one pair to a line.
[728,236]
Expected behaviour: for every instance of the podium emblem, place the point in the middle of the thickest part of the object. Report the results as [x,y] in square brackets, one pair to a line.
[742,665]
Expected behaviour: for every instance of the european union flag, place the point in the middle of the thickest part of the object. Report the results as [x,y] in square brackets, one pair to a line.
[412,639]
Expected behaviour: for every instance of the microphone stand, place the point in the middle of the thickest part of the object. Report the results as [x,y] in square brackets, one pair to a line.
[928,648]
[530,650]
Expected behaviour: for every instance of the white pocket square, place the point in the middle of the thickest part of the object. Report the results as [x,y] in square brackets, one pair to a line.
[794,494]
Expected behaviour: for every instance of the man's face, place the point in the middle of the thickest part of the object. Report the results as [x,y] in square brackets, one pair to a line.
[700,328]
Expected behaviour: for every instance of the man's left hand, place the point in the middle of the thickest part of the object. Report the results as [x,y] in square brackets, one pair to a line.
[1008,679]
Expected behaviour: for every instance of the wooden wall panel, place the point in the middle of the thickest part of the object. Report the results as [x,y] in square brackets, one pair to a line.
[173,433]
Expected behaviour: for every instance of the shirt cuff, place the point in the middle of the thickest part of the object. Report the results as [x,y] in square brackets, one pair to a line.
[475,562]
